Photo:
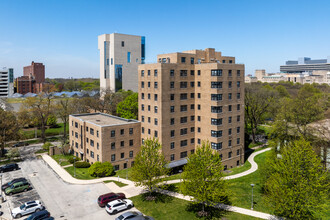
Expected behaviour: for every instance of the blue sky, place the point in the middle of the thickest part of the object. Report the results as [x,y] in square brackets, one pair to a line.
[63,34]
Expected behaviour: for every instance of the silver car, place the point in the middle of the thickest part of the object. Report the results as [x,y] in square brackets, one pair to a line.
[27,208]
[129,215]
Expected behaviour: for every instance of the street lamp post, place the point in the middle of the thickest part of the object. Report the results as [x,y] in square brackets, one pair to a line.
[74,166]
[252,185]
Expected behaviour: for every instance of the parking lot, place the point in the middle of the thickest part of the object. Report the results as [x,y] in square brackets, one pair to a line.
[62,200]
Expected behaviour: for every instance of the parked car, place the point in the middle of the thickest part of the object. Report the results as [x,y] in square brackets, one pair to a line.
[128,215]
[18,187]
[106,198]
[44,214]
[19,144]
[9,167]
[6,185]
[27,208]
[141,217]
[118,205]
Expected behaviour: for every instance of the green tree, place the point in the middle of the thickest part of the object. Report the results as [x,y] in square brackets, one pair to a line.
[52,120]
[9,128]
[129,107]
[203,177]
[282,91]
[63,109]
[298,186]
[149,165]
[99,169]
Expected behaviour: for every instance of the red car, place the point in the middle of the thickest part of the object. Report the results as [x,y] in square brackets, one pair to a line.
[104,199]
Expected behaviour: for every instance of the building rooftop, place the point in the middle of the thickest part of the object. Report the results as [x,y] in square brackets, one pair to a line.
[102,119]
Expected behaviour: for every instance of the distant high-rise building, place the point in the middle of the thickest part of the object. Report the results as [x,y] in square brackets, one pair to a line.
[6,82]
[35,71]
[190,97]
[120,55]
[32,80]
[305,64]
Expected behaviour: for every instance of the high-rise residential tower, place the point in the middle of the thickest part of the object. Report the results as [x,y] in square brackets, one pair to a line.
[120,55]
[194,96]
[6,82]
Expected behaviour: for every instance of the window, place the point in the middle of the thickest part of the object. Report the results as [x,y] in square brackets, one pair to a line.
[171,85]
[183,154]
[238,130]
[131,131]
[230,84]
[122,143]
[92,143]
[172,145]
[76,124]
[192,118]
[149,119]
[192,60]
[183,72]
[192,84]
[238,73]
[92,154]
[172,121]
[87,140]
[183,120]
[199,107]
[172,97]
[171,72]
[128,57]
[183,96]
[142,84]
[183,108]
[131,154]
[238,107]
[155,72]
[122,43]
[183,131]
[229,96]
[113,145]
[130,142]
[156,97]
[149,96]
[142,95]
[192,72]
[113,133]
[142,130]
[216,85]
[76,145]
[76,134]
[142,72]
[229,119]
[149,72]
[192,106]
[198,72]
[183,59]
[199,130]
[216,133]
[216,72]
[238,141]
[237,152]
[238,118]
[229,131]
[192,129]
[199,84]
[87,129]
[229,154]
[229,108]
[172,157]
[183,85]
[149,108]
[216,109]
[156,85]
[149,84]
[142,107]
[223,61]
[238,95]
[142,118]
[192,140]
[184,143]
[156,121]
[198,118]
[216,97]
[216,121]
[149,131]
[156,133]
[172,109]
[238,84]
[172,133]
[91,131]
[122,131]
[229,143]
[199,95]
[192,95]
[229,73]
[116,167]
[156,109]
[216,146]
[122,155]
[113,157]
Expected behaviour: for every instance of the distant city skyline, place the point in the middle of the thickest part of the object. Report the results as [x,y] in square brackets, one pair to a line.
[63,34]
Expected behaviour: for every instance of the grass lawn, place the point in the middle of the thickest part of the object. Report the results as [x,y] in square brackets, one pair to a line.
[166,207]
[123,173]
[9,161]
[62,159]
[81,173]
[120,184]
[30,133]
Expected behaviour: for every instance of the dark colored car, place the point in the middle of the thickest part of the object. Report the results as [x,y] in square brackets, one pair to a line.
[104,199]
[44,214]
[6,185]
[19,144]
[9,167]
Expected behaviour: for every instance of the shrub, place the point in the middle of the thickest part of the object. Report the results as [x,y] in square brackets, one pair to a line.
[47,145]
[82,164]
[13,153]
[99,169]
[71,160]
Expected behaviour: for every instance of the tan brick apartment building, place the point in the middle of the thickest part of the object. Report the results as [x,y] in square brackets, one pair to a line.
[193,96]
[102,137]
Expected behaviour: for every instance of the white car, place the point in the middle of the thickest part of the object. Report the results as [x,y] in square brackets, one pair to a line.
[118,205]
[27,208]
